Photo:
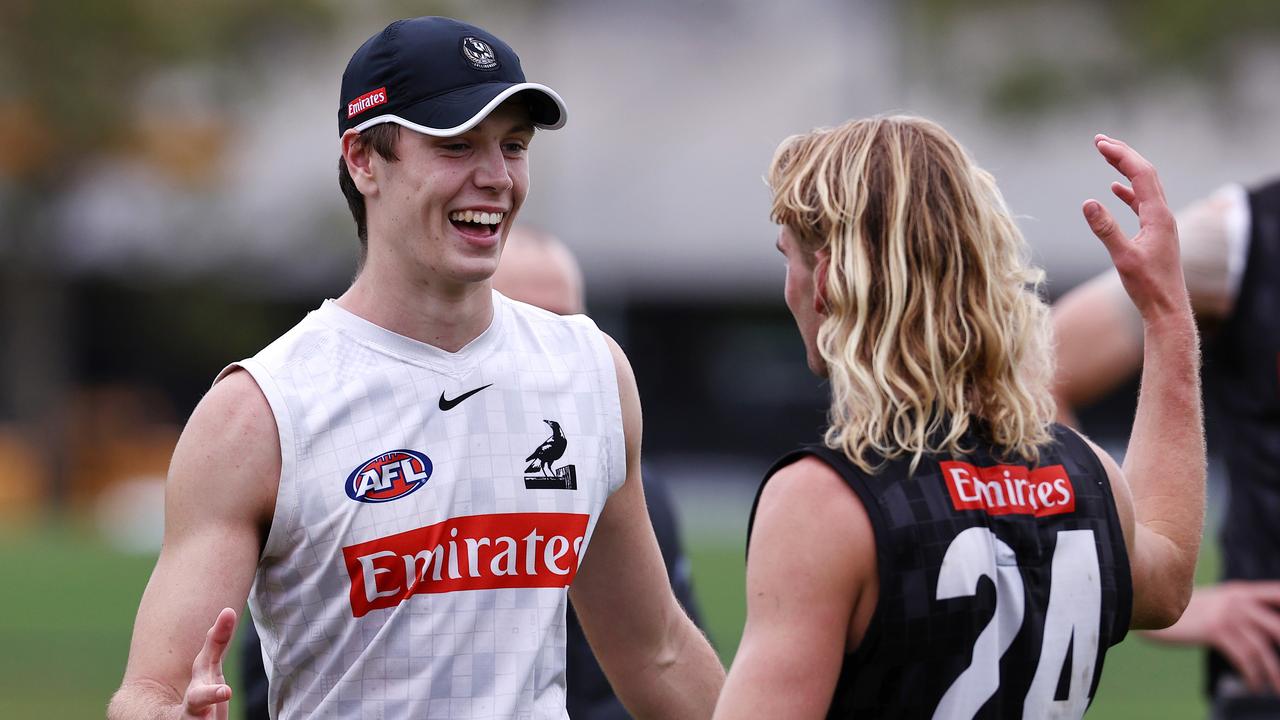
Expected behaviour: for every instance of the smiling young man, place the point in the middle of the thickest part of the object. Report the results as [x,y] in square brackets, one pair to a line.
[363,480]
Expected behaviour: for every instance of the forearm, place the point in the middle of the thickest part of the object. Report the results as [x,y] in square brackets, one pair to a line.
[145,700]
[681,678]
[1165,462]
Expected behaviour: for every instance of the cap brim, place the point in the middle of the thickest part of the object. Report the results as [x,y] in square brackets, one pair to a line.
[457,112]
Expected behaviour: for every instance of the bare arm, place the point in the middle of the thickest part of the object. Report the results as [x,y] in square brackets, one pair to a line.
[657,660]
[220,491]
[1164,467]
[811,574]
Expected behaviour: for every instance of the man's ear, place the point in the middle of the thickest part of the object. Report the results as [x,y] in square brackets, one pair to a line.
[359,160]
[822,264]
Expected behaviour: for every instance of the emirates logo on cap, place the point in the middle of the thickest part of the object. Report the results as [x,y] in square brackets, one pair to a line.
[478,53]
[368,100]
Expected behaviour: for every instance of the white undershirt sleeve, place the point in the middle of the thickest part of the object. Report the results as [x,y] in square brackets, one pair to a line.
[1214,235]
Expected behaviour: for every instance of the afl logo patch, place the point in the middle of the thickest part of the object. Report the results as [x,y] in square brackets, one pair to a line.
[478,54]
[389,476]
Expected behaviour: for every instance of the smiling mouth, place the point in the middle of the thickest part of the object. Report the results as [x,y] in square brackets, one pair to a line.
[474,222]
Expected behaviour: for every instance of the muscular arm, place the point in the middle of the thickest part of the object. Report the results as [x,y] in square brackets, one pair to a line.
[1164,467]
[811,573]
[220,492]
[658,662]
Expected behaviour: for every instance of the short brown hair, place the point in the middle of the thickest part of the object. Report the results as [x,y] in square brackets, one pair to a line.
[381,139]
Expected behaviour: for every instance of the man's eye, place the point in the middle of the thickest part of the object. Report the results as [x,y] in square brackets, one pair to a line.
[455,147]
[514,147]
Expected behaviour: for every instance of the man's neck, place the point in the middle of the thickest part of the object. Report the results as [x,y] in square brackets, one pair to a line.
[442,315]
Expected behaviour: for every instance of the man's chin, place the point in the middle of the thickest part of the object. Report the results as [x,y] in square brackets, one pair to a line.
[477,271]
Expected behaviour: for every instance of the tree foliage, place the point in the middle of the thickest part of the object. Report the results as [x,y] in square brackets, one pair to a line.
[1147,40]
[70,69]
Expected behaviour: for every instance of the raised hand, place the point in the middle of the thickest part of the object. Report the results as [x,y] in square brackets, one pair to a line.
[208,692]
[1148,263]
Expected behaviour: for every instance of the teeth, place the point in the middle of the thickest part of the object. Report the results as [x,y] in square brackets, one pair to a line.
[475,216]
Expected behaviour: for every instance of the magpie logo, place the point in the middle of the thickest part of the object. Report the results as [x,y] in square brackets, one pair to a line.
[478,54]
[446,404]
[543,459]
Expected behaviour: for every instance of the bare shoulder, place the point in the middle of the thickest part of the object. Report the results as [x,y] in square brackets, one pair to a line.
[620,361]
[629,399]
[237,397]
[809,499]
[811,565]
[810,486]
[229,452]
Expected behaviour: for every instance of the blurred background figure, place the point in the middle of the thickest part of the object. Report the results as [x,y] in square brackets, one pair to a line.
[537,268]
[1231,258]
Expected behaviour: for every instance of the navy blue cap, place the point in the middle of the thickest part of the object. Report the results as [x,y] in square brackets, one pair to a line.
[438,76]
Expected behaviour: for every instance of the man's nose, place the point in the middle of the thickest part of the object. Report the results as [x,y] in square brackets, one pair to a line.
[491,170]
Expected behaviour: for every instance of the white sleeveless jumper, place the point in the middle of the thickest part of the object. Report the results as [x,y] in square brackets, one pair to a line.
[432,511]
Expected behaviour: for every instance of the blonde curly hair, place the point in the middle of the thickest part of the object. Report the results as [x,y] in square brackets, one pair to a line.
[934,315]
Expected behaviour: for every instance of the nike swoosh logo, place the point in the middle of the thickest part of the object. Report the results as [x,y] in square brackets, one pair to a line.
[447,404]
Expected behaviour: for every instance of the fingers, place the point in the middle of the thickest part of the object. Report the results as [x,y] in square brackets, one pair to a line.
[1239,660]
[209,659]
[1250,633]
[1105,227]
[1265,616]
[1266,655]
[207,687]
[1141,173]
[1125,193]
[1267,625]
[1266,670]
[200,697]
[1267,591]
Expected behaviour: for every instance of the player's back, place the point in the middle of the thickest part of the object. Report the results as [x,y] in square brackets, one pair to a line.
[1001,585]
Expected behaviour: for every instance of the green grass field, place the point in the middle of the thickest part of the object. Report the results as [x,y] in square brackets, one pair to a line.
[67,606]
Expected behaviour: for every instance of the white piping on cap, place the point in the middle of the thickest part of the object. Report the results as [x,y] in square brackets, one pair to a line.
[475,119]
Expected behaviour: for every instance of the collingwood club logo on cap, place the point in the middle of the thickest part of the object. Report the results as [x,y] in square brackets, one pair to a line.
[478,53]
